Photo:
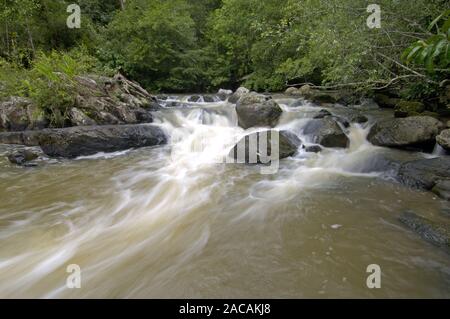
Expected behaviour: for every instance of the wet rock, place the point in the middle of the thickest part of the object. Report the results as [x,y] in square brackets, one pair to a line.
[224,94]
[326,132]
[323,98]
[208,99]
[256,110]
[437,234]
[238,94]
[359,119]
[88,140]
[418,132]
[194,98]
[425,173]
[442,189]
[313,149]
[386,101]
[443,139]
[22,157]
[322,114]
[288,144]
[448,124]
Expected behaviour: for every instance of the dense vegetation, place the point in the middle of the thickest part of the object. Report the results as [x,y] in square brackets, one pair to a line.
[201,45]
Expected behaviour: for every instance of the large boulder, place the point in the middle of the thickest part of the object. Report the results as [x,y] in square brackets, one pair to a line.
[288,144]
[88,140]
[417,132]
[443,139]
[19,114]
[435,233]
[326,132]
[224,94]
[256,110]
[442,189]
[238,94]
[293,91]
[105,101]
[425,173]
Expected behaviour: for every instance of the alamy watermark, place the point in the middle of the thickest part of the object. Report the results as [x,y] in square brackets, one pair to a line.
[74,19]
[73,281]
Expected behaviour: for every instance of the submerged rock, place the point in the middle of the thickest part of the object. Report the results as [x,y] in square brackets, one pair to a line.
[322,114]
[443,139]
[436,233]
[418,132]
[88,140]
[425,173]
[313,149]
[22,157]
[326,132]
[257,110]
[359,119]
[288,144]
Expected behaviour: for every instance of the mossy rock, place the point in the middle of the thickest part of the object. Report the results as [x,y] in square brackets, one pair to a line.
[410,108]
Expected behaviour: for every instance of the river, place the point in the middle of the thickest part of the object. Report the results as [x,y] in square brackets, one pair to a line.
[170,222]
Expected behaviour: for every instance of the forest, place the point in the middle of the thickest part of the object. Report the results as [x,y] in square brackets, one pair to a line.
[203,45]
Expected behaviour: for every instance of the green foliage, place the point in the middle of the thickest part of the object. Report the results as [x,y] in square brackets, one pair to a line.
[434,51]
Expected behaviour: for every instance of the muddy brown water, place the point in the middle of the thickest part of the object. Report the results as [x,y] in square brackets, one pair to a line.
[168,223]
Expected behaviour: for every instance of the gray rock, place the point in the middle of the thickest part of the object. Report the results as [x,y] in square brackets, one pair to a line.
[313,149]
[19,114]
[322,114]
[359,118]
[224,94]
[368,104]
[256,110]
[28,138]
[287,146]
[444,139]
[417,132]
[194,98]
[22,157]
[88,140]
[293,91]
[326,132]
[78,118]
[425,173]
[238,94]
[437,234]
[442,189]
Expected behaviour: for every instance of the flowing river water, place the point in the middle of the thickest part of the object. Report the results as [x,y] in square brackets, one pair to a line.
[168,222]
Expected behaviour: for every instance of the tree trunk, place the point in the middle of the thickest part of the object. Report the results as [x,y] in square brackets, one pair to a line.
[122,4]
[7,37]
[30,38]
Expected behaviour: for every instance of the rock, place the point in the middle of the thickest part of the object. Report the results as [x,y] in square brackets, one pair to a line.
[386,101]
[256,110]
[19,114]
[88,140]
[326,132]
[322,114]
[194,98]
[448,124]
[409,108]
[22,157]
[287,146]
[425,173]
[313,149]
[359,118]
[78,118]
[442,189]
[237,95]
[293,91]
[321,98]
[28,138]
[418,132]
[305,91]
[443,139]
[436,233]
[368,104]
[224,94]
[208,99]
